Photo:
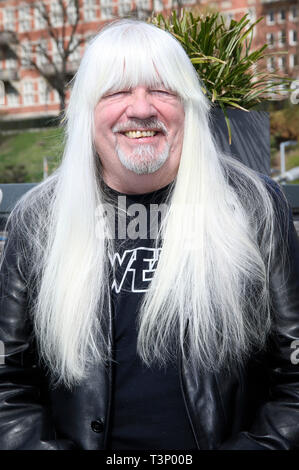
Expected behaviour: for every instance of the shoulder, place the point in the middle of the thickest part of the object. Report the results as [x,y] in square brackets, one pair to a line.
[257,190]
[26,226]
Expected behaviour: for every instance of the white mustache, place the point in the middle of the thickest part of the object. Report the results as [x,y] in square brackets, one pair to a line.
[140,124]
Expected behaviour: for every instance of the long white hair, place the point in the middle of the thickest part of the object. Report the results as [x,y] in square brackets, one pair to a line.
[209,298]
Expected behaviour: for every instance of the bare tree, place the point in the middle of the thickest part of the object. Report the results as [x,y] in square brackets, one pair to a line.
[60,25]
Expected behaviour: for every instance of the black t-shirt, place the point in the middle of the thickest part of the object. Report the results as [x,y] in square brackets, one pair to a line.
[148,410]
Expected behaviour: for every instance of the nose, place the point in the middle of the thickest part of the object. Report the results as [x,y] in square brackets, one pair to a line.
[140,105]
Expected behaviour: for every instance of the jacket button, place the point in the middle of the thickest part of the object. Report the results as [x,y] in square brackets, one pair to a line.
[97,425]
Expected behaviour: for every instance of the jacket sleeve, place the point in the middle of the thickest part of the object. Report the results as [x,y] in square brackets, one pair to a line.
[276,424]
[25,421]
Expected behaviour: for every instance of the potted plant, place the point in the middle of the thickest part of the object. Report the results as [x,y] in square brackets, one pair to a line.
[227,67]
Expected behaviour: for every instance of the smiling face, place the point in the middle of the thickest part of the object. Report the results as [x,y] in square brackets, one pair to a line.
[139,136]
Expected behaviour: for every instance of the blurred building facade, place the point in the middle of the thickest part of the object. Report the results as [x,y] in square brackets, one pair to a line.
[279,29]
[24,93]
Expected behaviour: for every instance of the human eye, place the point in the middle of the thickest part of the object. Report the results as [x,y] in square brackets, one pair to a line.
[161,91]
[116,93]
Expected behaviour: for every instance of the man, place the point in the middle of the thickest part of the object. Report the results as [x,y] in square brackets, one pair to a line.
[172,329]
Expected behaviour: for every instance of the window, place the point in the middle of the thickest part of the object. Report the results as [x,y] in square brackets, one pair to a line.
[282,62]
[270,40]
[43,91]
[293,60]
[71,12]
[56,14]
[144,8]
[270,19]
[12,98]
[24,18]
[158,5]
[282,38]
[28,93]
[145,4]
[106,9]
[41,59]
[251,15]
[55,96]
[271,64]
[281,16]
[11,64]
[39,20]
[9,21]
[56,52]
[293,37]
[26,50]
[75,56]
[124,7]
[293,13]
[89,10]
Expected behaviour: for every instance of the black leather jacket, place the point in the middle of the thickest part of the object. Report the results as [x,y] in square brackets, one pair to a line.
[256,407]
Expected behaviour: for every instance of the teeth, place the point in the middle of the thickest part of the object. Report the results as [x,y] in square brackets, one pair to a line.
[138,134]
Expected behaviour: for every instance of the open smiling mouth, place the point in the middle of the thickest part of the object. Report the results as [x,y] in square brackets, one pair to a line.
[141,134]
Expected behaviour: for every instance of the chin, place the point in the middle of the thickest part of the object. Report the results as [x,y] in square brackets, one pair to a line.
[145,159]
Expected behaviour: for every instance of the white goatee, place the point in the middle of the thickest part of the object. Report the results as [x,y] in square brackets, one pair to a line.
[144,159]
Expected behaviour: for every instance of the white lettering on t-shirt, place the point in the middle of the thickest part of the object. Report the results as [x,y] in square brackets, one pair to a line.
[138,267]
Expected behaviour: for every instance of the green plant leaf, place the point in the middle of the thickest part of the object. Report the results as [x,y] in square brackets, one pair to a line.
[227,66]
